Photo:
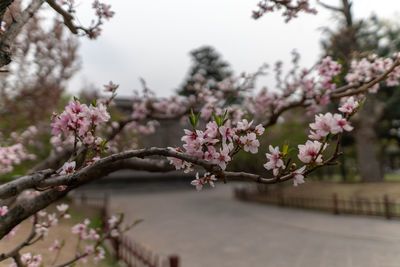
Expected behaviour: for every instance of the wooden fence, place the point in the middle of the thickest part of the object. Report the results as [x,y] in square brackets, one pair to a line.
[125,249]
[373,207]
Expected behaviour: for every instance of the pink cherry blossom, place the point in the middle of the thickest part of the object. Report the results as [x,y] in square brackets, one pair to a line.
[315,136]
[349,105]
[259,130]
[26,258]
[250,143]
[41,229]
[244,125]
[226,133]
[112,221]
[3,210]
[110,87]
[12,233]
[62,208]
[206,179]
[99,255]
[89,249]
[275,161]
[298,177]
[340,124]
[309,152]
[222,158]
[323,124]
[80,229]
[56,245]
[67,168]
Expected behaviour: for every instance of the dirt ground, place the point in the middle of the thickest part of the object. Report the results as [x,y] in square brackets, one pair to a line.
[61,232]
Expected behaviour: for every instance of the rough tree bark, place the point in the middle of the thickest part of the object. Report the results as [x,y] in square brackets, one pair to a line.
[367,142]
[365,136]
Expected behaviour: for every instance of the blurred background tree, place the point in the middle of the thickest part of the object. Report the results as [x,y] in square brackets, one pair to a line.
[34,84]
[44,59]
[371,35]
[208,63]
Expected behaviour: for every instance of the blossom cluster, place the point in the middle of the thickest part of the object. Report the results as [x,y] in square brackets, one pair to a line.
[27,259]
[13,155]
[291,8]
[327,70]
[129,137]
[312,151]
[14,149]
[79,121]
[146,105]
[84,232]
[276,163]
[207,178]
[217,144]
[366,69]
[275,160]
[300,86]
[204,98]
[47,220]
[102,10]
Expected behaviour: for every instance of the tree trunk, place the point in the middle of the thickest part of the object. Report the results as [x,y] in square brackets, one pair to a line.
[367,142]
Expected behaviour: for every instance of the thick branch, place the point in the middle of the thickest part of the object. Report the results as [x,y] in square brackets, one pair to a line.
[4,4]
[68,18]
[14,29]
[14,187]
[333,8]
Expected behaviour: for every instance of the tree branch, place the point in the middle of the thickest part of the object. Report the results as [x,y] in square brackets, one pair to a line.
[365,87]
[14,29]
[15,187]
[15,252]
[68,18]
[333,8]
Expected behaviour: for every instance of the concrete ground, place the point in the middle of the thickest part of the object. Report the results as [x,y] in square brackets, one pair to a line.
[211,228]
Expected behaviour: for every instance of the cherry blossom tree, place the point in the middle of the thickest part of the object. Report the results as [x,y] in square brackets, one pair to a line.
[86,138]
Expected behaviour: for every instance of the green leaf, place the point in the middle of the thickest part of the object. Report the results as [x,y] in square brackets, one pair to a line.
[226,112]
[136,222]
[121,217]
[361,103]
[94,103]
[285,149]
[193,119]
[336,79]
[197,117]
[217,119]
[192,122]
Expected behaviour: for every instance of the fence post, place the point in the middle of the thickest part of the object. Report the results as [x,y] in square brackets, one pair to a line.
[173,261]
[387,206]
[116,244]
[335,204]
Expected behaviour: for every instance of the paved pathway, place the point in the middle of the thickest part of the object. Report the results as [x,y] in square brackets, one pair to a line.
[211,229]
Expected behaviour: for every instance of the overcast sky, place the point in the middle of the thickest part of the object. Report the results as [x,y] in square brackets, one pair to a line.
[152,39]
